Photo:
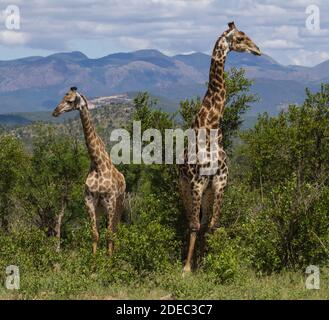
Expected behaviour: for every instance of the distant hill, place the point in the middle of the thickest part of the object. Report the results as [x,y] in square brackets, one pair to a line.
[106,118]
[18,119]
[37,83]
[13,120]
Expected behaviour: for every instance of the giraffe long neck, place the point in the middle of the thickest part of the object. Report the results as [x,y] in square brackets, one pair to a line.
[94,144]
[213,104]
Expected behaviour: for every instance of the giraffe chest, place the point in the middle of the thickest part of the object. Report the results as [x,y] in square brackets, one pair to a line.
[99,182]
[105,182]
[198,169]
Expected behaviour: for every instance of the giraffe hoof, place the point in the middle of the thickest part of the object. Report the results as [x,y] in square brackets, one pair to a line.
[186,270]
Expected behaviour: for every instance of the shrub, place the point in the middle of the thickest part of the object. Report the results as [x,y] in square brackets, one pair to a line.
[239,205]
[292,231]
[222,258]
[147,245]
[29,249]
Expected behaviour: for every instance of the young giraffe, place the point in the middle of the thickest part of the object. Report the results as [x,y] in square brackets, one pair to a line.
[202,194]
[105,185]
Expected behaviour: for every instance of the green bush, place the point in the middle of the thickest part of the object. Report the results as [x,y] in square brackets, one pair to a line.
[222,258]
[239,205]
[28,248]
[292,230]
[147,245]
[263,244]
[274,216]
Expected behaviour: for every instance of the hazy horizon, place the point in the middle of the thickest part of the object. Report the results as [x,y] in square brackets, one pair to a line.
[147,49]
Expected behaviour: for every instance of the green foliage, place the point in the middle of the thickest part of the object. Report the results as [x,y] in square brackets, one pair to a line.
[188,111]
[153,176]
[286,159]
[294,143]
[292,230]
[222,258]
[14,162]
[238,101]
[147,245]
[149,115]
[55,182]
[29,248]
[149,242]
[239,205]
[274,215]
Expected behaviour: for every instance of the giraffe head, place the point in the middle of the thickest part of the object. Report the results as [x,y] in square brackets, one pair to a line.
[239,41]
[72,100]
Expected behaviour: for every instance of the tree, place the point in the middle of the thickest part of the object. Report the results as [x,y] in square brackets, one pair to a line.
[188,111]
[14,163]
[55,185]
[295,143]
[238,102]
[150,118]
[155,180]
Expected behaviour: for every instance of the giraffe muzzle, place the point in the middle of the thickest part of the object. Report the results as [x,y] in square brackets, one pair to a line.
[58,111]
[256,51]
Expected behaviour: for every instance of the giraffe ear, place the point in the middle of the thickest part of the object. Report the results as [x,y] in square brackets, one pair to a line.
[231,25]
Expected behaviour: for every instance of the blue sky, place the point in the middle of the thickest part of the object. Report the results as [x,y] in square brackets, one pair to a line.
[100,27]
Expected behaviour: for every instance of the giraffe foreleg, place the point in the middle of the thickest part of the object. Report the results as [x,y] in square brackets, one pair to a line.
[90,204]
[207,208]
[194,225]
[186,196]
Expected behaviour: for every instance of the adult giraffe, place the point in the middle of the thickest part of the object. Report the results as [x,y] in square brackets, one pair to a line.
[202,189]
[105,185]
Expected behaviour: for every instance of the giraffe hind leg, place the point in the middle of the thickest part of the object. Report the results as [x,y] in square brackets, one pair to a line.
[112,206]
[207,208]
[119,210]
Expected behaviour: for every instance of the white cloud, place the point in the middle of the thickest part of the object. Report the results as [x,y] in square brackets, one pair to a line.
[172,26]
[254,9]
[303,57]
[13,38]
[280,44]
[130,43]
[322,33]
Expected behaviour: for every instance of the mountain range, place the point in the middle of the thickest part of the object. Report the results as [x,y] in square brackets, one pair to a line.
[38,83]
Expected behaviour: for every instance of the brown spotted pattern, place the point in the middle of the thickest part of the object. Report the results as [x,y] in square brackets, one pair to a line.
[202,194]
[105,185]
